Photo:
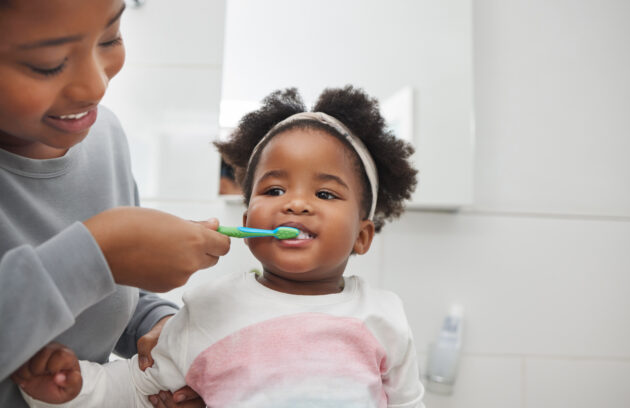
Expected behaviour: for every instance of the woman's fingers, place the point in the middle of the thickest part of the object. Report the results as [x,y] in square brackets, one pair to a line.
[167,400]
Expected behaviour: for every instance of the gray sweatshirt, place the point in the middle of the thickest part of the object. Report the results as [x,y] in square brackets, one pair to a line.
[55,284]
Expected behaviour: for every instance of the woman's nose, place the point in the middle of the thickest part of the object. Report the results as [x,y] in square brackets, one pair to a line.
[89,82]
[297,204]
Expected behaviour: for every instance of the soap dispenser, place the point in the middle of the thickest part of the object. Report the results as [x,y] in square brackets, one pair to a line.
[443,355]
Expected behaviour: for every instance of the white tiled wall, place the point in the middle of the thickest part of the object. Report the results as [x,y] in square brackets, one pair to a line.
[534,286]
[540,262]
[577,383]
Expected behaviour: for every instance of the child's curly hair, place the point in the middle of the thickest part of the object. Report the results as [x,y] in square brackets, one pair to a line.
[355,109]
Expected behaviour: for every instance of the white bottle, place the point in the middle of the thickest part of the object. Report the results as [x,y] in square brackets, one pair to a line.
[443,355]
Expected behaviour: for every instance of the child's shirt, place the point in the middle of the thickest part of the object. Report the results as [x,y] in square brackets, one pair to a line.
[238,343]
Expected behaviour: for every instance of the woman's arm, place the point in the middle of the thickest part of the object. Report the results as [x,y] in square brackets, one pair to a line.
[150,310]
[43,289]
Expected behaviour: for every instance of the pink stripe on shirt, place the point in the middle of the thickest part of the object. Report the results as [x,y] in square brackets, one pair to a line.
[304,357]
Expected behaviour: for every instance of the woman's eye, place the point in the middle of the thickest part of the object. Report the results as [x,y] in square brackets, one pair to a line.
[325,195]
[276,191]
[49,71]
[112,43]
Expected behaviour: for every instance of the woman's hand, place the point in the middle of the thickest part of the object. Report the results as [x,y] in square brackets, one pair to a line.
[153,250]
[148,341]
[185,397]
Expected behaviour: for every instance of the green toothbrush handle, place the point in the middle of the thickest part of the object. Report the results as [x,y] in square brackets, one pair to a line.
[232,232]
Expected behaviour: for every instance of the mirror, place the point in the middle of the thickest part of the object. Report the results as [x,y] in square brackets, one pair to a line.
[414,56]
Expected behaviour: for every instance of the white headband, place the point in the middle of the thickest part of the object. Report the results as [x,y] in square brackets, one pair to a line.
[355,142]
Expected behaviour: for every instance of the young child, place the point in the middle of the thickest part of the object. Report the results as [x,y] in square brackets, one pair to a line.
[71,262]
[300,334]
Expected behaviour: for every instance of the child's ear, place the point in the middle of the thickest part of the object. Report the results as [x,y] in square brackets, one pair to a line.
[244,224]
[364,239]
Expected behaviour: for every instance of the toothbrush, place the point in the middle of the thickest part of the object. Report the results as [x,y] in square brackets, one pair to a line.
[244,232]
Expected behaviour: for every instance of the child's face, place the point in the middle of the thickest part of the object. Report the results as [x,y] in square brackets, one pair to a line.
[307,179]
[56,59]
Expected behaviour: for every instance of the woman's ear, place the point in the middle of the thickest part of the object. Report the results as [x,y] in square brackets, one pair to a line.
[364,239]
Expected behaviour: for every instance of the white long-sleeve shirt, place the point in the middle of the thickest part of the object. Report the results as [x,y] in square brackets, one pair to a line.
[238,343]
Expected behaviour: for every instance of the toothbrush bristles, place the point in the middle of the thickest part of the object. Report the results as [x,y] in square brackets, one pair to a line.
[287,232]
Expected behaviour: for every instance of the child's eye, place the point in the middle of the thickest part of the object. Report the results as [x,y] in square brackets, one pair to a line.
[49,71]
[325,195]
[274,191]
[112,43]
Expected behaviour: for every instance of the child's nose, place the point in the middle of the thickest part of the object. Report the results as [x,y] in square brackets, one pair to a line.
[297,204]
[89,82]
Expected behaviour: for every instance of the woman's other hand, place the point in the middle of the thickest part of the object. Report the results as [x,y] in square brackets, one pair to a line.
[185,397]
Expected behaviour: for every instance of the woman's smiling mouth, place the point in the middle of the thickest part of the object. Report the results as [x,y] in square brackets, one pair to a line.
[72,116]
[73,122]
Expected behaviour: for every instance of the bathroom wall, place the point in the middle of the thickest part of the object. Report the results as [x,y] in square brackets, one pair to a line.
[539,262]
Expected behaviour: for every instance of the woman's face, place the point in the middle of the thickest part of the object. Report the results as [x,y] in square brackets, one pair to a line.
[56,60]
[307,179]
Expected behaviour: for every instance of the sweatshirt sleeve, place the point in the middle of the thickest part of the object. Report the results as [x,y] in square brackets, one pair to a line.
[43,289]
[150,309]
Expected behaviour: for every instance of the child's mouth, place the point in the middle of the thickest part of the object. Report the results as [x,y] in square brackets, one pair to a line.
[305,235]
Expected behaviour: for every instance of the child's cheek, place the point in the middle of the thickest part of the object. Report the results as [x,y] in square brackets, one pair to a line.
[257,215]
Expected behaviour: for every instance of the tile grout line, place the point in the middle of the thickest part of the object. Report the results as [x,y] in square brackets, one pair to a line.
[534,214]
[523,382]
[558,357]
[549,357]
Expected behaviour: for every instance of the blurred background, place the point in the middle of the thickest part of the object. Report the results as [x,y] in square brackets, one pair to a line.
[519,112]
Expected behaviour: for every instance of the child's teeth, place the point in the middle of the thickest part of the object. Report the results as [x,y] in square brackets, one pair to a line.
[73,116]
[304,235]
